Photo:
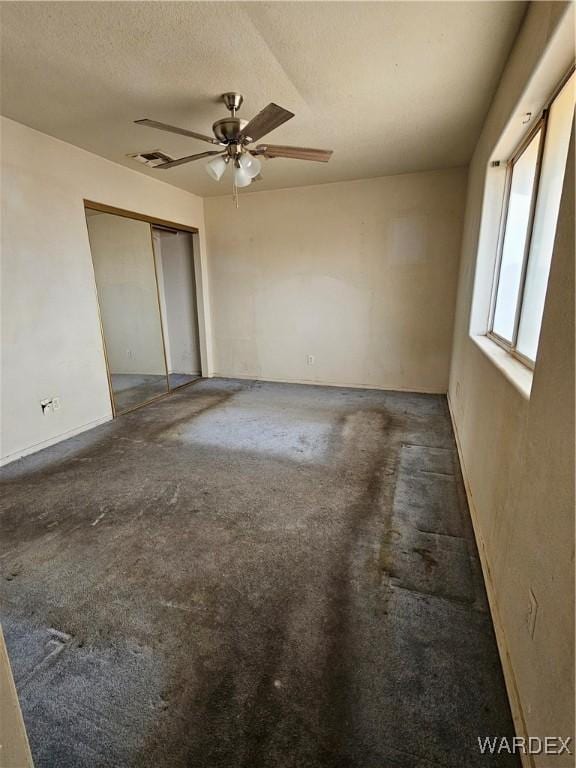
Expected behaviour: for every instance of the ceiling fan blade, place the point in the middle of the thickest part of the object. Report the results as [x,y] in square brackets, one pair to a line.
[189,159]
[173,129]
[294,153]
[265,121]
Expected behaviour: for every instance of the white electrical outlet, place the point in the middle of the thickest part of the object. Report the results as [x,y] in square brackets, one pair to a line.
[55,403]
[532,613]
[310,359]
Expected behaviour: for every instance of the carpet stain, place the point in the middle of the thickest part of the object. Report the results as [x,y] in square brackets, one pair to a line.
[249,575]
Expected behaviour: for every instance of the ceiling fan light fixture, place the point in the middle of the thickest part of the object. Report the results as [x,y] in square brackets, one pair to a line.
[241,177]
[233,135]
[215,168]
[250,164]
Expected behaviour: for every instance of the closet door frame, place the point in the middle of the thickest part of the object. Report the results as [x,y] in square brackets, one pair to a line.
[150,220]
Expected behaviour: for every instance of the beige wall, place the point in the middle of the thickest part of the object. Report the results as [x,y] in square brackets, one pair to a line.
[361,275]
[51,342]
[518,453]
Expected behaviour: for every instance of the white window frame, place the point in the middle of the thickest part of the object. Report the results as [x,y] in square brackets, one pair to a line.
[510,346]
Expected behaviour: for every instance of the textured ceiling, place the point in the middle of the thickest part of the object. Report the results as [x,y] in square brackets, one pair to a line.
[392,87]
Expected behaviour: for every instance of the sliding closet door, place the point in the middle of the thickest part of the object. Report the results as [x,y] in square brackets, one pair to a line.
[129,308]
[176,281]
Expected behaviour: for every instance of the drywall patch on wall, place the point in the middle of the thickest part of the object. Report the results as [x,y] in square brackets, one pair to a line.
[351,283]
[408,239]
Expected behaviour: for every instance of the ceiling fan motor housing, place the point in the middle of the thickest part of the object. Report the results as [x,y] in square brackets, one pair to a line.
[228,129]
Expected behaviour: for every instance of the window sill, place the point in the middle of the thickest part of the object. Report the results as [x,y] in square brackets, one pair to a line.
[517,374]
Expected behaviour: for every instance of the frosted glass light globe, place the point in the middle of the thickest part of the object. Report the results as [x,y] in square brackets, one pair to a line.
[241,177]
[216,167]
[250,164]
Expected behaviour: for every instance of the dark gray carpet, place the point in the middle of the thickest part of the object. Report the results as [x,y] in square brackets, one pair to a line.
[251,575]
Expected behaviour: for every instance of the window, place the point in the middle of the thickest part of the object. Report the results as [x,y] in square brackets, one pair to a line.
[534,188]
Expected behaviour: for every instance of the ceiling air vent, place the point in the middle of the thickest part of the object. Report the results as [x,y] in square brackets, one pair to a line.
[152,158]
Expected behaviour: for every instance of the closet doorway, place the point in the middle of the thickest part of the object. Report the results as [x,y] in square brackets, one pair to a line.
[174,260]
[145,278]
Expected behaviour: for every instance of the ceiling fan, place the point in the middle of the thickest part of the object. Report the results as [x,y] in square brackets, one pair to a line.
[235,136]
